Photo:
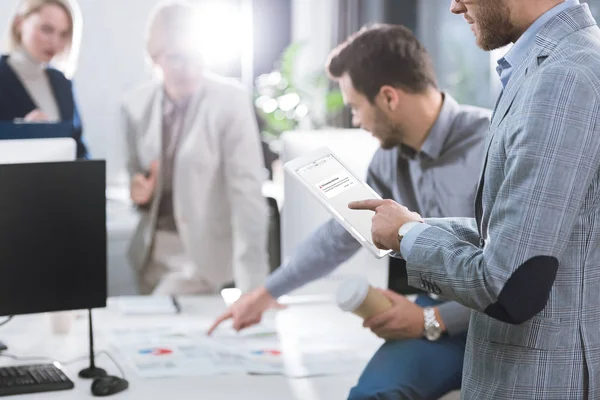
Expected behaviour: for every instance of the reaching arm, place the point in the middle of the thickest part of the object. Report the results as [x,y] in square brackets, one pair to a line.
[320,254]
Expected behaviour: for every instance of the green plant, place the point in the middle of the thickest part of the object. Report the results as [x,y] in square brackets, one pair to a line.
[286,102]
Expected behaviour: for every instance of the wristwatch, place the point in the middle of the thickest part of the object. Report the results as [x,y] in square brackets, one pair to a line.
[433,329]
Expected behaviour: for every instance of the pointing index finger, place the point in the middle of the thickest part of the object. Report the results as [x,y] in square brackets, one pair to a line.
[370,204]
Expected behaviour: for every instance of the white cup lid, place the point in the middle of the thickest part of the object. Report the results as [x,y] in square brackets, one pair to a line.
[352,292]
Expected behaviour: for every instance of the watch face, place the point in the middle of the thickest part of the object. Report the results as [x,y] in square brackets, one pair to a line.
[433,333]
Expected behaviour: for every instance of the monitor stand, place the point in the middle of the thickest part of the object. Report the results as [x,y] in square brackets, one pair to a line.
[3,346]
[92,371]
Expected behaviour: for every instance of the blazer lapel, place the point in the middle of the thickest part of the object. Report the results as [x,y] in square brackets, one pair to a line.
[62,95]
[155,128]
[503,104]
[565,23]
[512,89]
[23,103]
[191,115]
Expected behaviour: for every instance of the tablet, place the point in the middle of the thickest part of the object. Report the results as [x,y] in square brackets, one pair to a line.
[331,182]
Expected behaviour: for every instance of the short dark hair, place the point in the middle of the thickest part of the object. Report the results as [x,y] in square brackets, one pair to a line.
[383,54]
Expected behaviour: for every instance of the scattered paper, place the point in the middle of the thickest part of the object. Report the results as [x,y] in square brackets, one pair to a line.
[167,352]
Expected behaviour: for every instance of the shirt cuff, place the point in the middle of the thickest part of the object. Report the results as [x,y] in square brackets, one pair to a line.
[410,238]
[455,317]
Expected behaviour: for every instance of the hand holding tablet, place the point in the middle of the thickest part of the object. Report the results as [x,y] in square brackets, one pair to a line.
[331,182]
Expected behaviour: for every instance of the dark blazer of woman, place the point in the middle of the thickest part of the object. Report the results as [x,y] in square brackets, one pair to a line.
[15,101]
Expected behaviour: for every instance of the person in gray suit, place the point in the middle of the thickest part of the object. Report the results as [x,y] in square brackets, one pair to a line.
[528,265]
[431,150]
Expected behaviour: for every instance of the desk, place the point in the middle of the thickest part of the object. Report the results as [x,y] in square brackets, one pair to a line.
[29,336]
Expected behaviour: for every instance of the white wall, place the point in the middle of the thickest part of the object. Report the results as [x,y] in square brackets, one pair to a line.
[112,61]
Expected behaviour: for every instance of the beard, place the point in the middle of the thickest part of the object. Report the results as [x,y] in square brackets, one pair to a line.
[493,24]
[389,134]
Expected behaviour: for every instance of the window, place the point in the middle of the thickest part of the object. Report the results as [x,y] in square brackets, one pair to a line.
[463,70]
[594,6]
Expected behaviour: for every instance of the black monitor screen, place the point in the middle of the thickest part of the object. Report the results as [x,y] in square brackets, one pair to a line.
[52,237]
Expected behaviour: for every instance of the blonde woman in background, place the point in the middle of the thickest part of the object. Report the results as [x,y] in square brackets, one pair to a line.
[196,170]
[41,54]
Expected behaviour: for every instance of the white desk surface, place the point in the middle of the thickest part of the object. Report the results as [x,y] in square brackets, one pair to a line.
[30,336]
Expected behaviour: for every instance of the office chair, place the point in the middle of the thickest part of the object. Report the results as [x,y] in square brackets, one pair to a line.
[398,278]
[274,235]
[274,239]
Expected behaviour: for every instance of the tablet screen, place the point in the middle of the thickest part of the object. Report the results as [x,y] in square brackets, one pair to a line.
[339,187]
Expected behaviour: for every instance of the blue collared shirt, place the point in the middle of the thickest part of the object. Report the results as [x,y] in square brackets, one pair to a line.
[515,56]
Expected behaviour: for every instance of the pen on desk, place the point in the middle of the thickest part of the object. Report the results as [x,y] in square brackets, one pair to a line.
[176,304]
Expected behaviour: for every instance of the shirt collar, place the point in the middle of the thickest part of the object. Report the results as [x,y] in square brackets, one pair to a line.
[432,147]
[170,106]
[516,55]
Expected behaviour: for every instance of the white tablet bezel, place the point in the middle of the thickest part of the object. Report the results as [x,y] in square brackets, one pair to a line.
[297,163]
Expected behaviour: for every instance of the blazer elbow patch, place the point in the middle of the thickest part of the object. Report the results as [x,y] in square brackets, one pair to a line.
[526,292]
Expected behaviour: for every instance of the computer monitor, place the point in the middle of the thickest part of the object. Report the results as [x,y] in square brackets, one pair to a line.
[52,237]
[37,150]
[302,214]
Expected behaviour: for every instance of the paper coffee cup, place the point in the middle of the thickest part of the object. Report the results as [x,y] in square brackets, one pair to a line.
[357,296]
[60,322]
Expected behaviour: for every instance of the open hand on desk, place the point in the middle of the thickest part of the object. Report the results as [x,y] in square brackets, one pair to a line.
[248,310]
[142,186]
[36,115]
[405,320]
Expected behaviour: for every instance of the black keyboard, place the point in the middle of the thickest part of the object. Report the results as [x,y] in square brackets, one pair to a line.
[23,379]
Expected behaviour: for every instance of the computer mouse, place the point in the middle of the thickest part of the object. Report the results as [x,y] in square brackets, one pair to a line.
[108,385]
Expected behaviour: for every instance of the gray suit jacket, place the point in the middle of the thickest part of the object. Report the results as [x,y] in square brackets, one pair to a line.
[529,264]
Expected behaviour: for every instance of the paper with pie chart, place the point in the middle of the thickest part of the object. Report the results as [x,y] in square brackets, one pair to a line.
[184,360]
[166,352]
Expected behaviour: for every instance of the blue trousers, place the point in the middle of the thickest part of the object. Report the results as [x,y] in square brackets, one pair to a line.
[414,369]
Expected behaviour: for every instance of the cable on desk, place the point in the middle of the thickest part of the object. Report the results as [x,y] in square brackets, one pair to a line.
[48,359]
[6,321]
[113,361]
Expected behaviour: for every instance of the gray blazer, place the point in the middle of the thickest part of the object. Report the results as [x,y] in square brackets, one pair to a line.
[218,172]
[529,264]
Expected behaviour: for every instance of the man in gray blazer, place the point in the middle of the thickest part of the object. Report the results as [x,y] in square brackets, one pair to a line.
[431,150]
[528,265]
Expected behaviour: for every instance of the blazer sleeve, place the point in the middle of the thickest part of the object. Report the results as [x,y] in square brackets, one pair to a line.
[244,174]
[82,148]
[552,157]
[463,228]
[127,131]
